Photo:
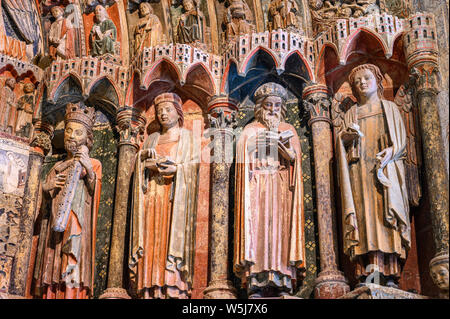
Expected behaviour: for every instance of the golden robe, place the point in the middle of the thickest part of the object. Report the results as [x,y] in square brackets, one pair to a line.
[163,221]
[269,218]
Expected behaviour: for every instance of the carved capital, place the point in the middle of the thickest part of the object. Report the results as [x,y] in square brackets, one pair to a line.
[130,125]
[426,78]
[317,102]
[41,141]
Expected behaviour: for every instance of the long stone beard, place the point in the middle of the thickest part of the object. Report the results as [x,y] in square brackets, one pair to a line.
[270,121]
[72,146]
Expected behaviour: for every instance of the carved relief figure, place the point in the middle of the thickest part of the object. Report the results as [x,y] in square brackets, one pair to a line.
[61,36]
[191,26]
[371,143]
[283,14]
[65,261]
[164,206]
[8,105]
[148,32]
[236,20]
[25,107]
[269,237]
[103,35]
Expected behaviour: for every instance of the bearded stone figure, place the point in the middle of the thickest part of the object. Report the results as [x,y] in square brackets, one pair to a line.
[269,253]
[103,35]
[164,206]
[371,147]
[25,109]
[64,266]
[148,32]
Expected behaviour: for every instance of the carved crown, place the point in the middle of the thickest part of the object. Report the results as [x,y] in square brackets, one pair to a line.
[77,113]
[270,89]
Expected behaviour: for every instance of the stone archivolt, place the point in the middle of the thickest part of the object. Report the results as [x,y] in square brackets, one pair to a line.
[318,50]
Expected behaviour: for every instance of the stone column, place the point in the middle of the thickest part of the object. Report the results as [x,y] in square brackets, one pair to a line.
[222,119]
[330,283]
[39,147]
[130,124]
[422,58]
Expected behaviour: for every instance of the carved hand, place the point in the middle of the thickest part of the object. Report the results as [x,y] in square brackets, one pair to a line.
[385,156]
[349,135]
[286,153]
[60,181]
[167,170]
[83,157]
[148,153]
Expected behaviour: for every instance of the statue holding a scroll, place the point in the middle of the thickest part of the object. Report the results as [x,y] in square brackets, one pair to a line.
[65,260]
[269,254]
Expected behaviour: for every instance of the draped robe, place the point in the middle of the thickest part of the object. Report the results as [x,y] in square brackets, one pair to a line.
[107,44]
[65,261]
[163,221]
[269,218]
[375,209]
[63,31]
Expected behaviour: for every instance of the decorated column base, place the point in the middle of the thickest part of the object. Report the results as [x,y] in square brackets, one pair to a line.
[115,293]
[221,289]
[330,284]
[374,291]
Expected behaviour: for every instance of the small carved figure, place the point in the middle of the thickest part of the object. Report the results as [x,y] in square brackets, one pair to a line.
[371,147]
[439,273]
[8,106]
[269,238]
[148,32]
[191,26]
[61,36]
[103,35]
[236,20]
[165,200]
[65,262]
[283,14]
[25,108]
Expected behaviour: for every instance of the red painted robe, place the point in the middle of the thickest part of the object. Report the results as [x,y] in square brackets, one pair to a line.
[269,235]
[65,262]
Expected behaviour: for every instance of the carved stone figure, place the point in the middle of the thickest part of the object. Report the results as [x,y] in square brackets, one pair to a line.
[148,32]
[370,147]
[236,20]
[61,37]
[8,106]
[65,261]
[283,14]
[269,238]
[191,25]
[103,35]
[25,108]
[164,206]
[439,273]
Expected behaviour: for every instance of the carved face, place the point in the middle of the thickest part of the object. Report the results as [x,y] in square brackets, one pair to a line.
[100,13]
[167,114]
[28,88]
[75,135]
[57,12]
[188,5]
[144,9]
[365,83]
[11,83]
[269,112]
[439,273]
